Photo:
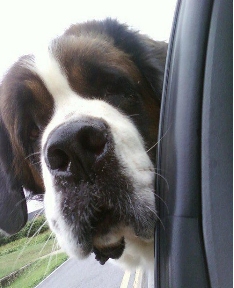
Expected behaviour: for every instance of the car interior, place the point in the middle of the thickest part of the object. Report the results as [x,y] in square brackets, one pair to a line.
[193,239]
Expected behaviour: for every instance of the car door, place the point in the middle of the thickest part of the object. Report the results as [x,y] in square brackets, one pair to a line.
[193,245]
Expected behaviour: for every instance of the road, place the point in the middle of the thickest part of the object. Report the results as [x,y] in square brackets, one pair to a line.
[90,274]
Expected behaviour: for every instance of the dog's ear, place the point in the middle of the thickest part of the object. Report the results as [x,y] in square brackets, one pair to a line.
[13,208]
[152,63]
[147,54]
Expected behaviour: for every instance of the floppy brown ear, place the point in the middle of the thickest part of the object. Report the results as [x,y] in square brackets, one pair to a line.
[152,63]
[147,54]
[13,208]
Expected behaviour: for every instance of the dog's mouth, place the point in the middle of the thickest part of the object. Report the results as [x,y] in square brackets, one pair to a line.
[114,251]
[101,214]
[107,242]
[95,219]
[104,230]
[101,234]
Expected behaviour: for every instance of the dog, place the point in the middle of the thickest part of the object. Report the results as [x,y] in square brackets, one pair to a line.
[78,123]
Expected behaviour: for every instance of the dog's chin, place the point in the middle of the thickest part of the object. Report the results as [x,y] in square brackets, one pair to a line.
[113,251]
[120,242]
[106,243]
[103,250]
[105,246]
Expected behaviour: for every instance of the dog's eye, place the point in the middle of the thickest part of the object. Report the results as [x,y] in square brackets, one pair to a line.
[121,87]
[34,133]
[111,90]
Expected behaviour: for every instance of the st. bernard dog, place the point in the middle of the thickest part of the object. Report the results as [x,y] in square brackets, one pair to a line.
[78,123]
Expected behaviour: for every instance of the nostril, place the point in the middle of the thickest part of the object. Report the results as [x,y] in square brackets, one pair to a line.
[58,159]
[94,140]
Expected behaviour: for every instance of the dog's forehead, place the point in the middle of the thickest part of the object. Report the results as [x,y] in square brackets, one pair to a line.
[71,50]
[84,61]
[84,58]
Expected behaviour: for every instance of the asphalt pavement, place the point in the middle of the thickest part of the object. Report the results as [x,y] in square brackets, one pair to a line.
[90,274]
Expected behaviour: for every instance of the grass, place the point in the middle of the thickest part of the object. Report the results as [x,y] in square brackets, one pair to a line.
[38,271]
[34,253]
[21,252]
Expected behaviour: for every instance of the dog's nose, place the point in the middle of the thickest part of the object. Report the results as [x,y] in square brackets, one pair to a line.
[76,146]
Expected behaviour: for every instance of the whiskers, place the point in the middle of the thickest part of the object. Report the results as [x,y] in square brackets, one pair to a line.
[152,147]
[37,197]
[154,171]
[149,208]
[29,238]
[53,249]
[32,155]
[133,115]
[156,214]
[43,250]
[162,177]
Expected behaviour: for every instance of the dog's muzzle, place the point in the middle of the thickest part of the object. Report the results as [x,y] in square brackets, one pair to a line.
[80,158]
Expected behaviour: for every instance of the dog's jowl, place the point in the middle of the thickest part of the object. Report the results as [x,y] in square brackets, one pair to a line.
[77,122]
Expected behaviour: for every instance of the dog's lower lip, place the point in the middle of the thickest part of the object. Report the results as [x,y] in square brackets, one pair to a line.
[113,251]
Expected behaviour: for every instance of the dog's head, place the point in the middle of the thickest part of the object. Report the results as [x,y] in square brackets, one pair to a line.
[77,122]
